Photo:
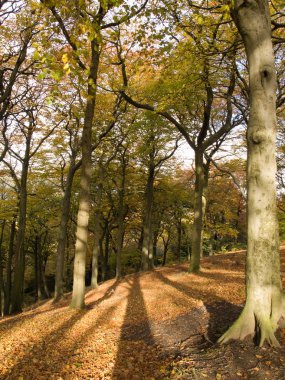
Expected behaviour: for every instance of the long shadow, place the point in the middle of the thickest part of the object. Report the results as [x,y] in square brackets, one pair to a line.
[13,320]
[137,357]
[49,355]
[229,278]
[221,313]
[18,319]
[27,359]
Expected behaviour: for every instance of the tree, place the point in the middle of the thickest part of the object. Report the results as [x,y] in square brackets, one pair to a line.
[92,20]
[28,123]
[155,149]
[265,299]
[225,216]
[188,95]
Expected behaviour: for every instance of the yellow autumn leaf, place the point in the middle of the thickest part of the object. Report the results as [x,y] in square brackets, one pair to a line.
[64,58]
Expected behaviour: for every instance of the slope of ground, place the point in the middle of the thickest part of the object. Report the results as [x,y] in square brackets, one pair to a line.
[157,325]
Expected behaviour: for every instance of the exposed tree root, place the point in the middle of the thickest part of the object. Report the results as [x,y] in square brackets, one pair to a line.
[242,327]
[267,334]
[194,268]
[250,324]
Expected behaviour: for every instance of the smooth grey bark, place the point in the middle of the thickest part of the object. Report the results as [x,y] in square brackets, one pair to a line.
[97,230]
[78,290]
[62,234]
[265,300]
[147,218]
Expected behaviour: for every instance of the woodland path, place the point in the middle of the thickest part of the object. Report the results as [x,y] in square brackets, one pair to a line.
[157,325]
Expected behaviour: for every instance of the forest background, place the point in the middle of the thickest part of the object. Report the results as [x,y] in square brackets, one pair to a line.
[95,100]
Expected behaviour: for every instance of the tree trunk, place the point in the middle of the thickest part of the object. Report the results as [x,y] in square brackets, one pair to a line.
[36,268]
[265,301]
[44,292]
[9,268]
[18,285]
[165,247]
[147,219]
[154,246]
[43,283]
[188,246]
[199,211]
[179,235]
[98,231]
[150,248]
[121,227]
[68,270]
[78,290]
[2,288]
[62,235]
[96,251]
[106,254]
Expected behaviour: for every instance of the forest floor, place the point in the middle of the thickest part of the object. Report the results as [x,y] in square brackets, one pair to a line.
[156,325]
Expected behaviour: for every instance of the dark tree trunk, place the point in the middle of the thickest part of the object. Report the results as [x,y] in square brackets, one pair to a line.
[62,235]
[18,284]
[9,268]
[121,218]
[96,251]
[2,286]
[179,236]
[36,268]
[106,255]
[165,248]
[201,180]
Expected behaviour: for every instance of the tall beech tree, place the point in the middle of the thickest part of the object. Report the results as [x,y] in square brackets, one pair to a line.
[91,19]
[265,298]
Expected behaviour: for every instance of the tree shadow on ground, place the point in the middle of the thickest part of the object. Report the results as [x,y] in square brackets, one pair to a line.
[109,292]
[201,358]
[220,313]
[216,276]
[56,353]
[138,357]
[18,319]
